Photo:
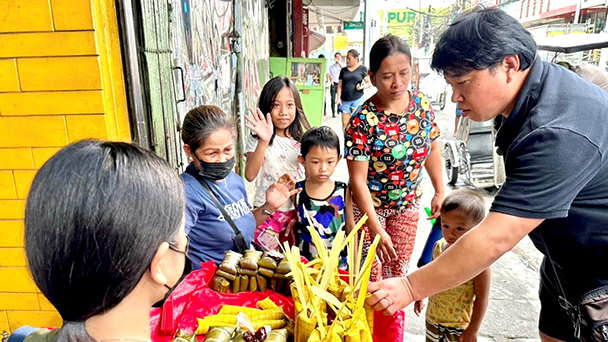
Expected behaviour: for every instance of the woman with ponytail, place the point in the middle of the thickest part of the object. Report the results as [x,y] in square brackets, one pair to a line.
[104,239]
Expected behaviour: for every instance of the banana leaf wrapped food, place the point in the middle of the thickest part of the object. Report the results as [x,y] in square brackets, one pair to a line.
[262,283]
[277,335]
[284,267]
[219,334]
[225,274]
[266,272]
[230,262]
[220,284]
[253,283]
[236,285]
[244,283]
[247,272]
[270,260]
[251,259]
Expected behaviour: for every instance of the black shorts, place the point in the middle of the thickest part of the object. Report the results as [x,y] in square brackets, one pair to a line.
[553,320]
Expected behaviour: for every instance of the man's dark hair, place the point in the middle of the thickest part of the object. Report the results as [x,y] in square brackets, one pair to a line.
[336,54]
[385,47]
[467,202]
[481,38]
[322,137]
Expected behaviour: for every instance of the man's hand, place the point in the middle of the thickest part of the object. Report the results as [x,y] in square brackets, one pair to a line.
[390,295]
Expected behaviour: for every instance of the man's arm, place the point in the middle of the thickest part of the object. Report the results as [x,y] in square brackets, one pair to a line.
[470,255]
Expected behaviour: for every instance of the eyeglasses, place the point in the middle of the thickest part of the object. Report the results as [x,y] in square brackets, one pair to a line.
[184,252]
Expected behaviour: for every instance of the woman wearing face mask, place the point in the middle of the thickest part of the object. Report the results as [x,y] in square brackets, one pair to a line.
[209,135]
[104,239]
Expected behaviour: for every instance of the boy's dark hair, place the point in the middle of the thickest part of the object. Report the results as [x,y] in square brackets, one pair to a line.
[320,136]
[269,94]
[385,47]
[468,202]
[481,38]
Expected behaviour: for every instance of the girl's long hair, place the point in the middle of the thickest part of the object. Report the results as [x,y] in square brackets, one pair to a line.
[269,94]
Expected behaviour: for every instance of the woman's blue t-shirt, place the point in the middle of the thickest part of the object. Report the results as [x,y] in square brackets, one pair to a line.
[210,235]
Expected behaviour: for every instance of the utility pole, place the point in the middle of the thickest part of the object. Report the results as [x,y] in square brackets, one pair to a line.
[367,39]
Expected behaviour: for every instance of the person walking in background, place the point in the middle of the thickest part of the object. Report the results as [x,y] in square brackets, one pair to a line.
[333,75]
[272,151]
[554,142]
[456,314]
[353,79]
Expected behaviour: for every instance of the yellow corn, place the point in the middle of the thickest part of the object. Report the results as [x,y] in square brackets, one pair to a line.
[266,304]
[254,314]
[214,321]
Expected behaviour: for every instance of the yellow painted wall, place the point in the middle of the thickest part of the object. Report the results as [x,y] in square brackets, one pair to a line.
[60,81]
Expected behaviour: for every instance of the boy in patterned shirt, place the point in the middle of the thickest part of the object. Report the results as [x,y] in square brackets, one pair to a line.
[456,314]
[326,202]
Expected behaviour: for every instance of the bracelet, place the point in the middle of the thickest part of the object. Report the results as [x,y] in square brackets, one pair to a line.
[266,212]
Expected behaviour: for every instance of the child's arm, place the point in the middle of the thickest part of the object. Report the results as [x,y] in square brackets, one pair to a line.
[262,126]
[482,294]
[419,306]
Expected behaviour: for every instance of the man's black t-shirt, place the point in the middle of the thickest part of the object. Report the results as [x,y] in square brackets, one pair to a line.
[555,145]
[350,79]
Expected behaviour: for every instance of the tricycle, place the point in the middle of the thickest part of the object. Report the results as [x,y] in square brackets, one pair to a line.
[472,155]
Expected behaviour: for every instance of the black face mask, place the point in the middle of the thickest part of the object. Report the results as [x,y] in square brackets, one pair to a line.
[187,270]
[216,171]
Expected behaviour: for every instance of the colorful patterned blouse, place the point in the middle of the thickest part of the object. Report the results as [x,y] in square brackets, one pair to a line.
[452,308]
[396,146]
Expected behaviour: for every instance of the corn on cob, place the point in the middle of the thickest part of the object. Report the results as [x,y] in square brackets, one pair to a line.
[267,304]
[253,313]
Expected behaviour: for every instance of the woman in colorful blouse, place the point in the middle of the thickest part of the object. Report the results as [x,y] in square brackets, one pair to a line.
[387,142]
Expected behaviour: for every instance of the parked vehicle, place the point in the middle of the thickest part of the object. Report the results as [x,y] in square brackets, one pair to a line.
[473,155]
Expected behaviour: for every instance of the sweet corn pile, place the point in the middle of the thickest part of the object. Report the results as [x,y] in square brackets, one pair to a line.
[255,271]
[270,315]
[320,295]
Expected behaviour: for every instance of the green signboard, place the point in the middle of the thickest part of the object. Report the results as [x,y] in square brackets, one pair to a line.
[353,25]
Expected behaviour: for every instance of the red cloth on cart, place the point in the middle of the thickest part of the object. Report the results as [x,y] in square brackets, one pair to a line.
[193,298]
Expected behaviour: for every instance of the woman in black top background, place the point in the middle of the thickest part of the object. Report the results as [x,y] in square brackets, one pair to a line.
[353,79]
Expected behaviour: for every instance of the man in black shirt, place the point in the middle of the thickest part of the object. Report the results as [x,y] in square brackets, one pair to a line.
[554,140]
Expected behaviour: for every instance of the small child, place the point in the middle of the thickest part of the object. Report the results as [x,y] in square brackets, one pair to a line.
[327,203]
[456,314]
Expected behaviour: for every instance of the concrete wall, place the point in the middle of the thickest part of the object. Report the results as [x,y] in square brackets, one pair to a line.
[60,81]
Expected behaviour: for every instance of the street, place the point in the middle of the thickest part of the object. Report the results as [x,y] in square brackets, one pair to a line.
[513,308]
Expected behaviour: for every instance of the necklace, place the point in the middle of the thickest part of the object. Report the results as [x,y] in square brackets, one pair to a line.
[124,339]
